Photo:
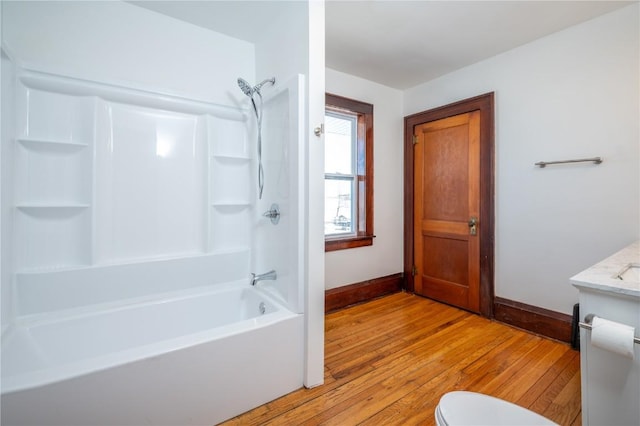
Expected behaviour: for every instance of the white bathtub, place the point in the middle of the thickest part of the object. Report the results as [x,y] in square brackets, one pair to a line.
[193,357]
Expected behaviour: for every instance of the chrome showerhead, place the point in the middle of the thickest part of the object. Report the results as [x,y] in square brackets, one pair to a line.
[245,87]
[249,91]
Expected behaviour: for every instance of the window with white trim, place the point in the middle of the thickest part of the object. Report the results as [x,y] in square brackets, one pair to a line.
[348,216]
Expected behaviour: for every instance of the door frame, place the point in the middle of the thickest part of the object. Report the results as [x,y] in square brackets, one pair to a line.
[484,104]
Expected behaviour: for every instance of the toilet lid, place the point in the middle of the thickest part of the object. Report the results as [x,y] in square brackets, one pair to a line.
[470,408]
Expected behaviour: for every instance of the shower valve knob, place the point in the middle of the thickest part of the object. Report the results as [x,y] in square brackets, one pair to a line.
[273,213]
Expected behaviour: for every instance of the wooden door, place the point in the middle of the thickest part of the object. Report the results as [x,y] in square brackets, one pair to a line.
[447,210]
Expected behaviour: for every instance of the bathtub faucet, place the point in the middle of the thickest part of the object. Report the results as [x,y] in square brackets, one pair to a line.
[271,275]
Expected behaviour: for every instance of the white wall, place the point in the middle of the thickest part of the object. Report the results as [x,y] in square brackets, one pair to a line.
[124,44]
[384,257]
[283,50]
[573,94]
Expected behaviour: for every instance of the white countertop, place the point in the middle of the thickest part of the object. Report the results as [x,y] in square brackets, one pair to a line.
[603,276]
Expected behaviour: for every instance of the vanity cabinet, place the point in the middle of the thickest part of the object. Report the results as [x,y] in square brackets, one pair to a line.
[610,381]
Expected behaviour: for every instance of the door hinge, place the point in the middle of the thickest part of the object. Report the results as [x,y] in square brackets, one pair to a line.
[414,271]
[415,139]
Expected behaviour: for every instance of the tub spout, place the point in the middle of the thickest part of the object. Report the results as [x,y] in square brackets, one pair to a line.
[271,275]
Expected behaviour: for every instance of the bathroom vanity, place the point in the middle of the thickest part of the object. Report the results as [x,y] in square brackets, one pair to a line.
[610,289]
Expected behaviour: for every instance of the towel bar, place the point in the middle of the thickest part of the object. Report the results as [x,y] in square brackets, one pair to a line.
[595,160]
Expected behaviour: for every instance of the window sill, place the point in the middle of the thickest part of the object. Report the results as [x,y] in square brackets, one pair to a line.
[347,243]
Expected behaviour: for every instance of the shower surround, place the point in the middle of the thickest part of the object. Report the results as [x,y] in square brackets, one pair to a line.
[131,226]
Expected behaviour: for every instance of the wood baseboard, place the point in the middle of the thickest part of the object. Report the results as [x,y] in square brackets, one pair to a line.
[532,318]
[537,320]
[341,297]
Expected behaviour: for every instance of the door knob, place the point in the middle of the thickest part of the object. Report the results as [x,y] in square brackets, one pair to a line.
[473,225]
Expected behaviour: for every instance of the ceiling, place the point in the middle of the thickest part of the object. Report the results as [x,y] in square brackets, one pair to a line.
[401,43]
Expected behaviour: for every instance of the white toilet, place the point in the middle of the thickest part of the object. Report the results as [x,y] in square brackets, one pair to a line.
[470,408]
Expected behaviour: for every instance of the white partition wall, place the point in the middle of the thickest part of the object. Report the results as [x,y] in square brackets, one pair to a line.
[294,44]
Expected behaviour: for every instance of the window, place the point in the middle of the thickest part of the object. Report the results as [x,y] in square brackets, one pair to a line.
[348,178]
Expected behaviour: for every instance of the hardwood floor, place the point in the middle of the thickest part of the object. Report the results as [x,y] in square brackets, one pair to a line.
[388,362]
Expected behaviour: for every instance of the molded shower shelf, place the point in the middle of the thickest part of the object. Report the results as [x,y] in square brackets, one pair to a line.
[231,158]
[53,236]
[229,227]
[228,138]
[51,145]
[231,203]
[230,181]
[53,268]
[52,174]
[52,207]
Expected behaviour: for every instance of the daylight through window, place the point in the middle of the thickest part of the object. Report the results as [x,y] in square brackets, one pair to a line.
[339,183]
[348,215]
